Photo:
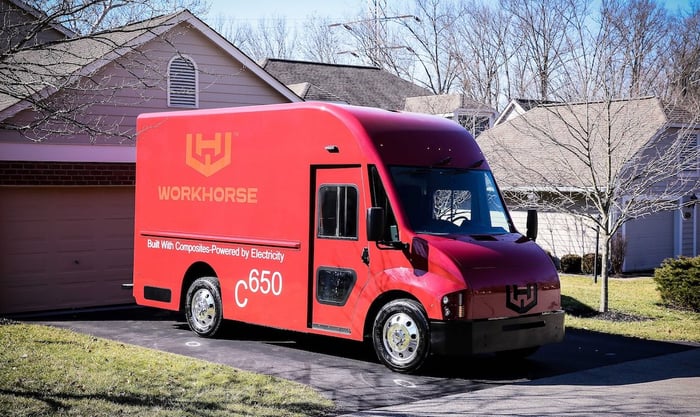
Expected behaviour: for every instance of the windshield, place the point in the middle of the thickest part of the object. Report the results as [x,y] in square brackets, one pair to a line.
[451,201]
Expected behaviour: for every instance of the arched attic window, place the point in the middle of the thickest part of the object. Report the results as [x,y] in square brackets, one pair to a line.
[182,83]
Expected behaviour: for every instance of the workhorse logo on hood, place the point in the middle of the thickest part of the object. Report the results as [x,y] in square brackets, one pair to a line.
[208,156]
[521,300]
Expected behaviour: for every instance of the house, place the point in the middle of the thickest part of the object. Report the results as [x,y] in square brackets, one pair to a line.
[567,146]
[19,22]
[375,87]
[67,187]
[348,84]
[474,116]
[517,107]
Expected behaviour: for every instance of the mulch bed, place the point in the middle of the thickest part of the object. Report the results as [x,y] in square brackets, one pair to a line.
[610,315]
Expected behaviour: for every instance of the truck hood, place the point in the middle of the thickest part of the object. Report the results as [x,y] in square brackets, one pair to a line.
[492,267]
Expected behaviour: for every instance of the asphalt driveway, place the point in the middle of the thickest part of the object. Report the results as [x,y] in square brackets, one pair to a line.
[348,372]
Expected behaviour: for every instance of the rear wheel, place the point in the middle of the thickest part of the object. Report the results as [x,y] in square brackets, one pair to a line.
[203,306]
[401,335]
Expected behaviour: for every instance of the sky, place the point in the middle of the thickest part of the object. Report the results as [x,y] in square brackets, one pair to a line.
[293,10]
[298,10]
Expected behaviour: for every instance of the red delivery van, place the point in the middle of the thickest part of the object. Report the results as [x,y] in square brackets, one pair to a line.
[336,220]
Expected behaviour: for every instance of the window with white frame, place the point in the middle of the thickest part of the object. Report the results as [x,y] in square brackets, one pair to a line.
[182,82]
[474,123]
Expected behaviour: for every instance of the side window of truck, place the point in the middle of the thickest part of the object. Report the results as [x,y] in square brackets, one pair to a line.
[380,199]
[337,211]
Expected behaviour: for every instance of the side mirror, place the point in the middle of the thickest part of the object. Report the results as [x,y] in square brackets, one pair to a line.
[531,232]
[375,224]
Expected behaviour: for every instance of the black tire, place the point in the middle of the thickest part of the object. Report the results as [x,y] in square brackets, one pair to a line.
[401,335]
[203,307]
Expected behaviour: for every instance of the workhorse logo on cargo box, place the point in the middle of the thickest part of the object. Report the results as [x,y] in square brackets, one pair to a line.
[208,156]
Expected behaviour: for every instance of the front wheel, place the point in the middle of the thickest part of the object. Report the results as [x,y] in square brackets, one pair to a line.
[203,307]
[401,335]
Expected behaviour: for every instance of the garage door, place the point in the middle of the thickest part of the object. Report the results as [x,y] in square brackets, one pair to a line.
[649,241]
[65,247]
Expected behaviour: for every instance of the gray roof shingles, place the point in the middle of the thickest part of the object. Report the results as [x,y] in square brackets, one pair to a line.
[41,69]
[355,85]
[556,145]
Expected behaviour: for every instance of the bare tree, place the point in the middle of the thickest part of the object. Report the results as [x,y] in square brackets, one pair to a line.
[50,62]
[237,34]
[319,42]
[595,161]
[479,45]
[684,70]
[640,29]
[436,65]
[374,39]
[270,38]
[87,17]
[412,42]
[597,157]
[543,25]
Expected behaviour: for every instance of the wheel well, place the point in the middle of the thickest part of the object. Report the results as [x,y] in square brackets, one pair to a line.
[196,270]
[378,303]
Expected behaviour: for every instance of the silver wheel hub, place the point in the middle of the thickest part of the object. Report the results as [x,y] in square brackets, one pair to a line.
[203,309]
[401,337]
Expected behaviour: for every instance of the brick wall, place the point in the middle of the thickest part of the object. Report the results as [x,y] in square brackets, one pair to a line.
[66,173]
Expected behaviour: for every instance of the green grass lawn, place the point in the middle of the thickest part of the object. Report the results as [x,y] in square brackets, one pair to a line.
[46,371]
[636,310]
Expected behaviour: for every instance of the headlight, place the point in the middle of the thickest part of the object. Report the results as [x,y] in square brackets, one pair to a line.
[453,306]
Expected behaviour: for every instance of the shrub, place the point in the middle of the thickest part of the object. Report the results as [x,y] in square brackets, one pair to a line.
[587,263]
[555,260]
[678,282]
[571,264]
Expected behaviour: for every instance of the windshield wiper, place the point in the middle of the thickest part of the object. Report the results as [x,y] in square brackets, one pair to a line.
[477,164]
[444,161]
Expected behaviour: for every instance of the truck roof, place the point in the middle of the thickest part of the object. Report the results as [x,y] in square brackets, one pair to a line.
[396,137]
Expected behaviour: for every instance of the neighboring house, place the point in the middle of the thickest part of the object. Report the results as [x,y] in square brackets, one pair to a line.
[348,84]
[474,116]
[525,159]
[374,87]
[67,200]
[517,107]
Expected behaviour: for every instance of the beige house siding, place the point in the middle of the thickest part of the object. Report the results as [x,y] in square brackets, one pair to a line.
[223,82]
[560,234]
[66,201]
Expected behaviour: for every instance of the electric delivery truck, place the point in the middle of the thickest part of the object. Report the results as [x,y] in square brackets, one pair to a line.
[336,220]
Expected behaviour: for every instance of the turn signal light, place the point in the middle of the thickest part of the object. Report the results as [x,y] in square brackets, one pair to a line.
[453,306]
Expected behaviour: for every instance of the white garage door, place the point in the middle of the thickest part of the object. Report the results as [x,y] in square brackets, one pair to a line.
[649,241]
[65,247]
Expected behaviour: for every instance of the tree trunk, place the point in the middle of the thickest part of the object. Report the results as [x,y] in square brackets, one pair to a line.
[605,254]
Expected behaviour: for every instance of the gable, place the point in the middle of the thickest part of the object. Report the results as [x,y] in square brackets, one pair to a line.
[512,110]
[112,91]
[19,19]
[81,57]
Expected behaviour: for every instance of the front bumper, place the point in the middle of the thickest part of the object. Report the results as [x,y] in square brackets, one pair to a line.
[486,336]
